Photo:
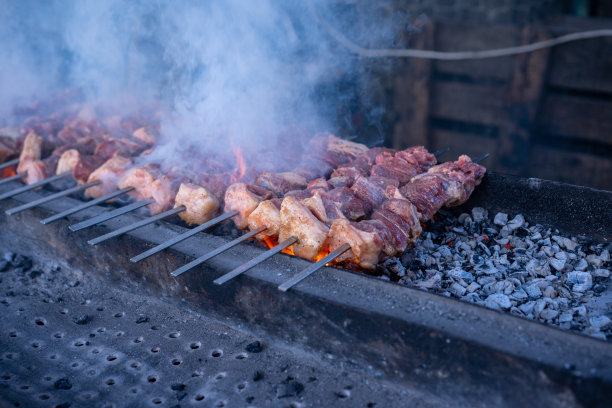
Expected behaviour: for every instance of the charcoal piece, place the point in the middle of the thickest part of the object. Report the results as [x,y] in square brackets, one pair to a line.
[142,319]
[21,261]
[249,399]
[63,384]
[289,388]
[82,319]
[9,256]
[63,405]
[254,347]
[4,265]
[35,274]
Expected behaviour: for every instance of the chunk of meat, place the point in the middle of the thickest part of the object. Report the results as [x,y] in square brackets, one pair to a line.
[267,214]
[408,212]
[200,204]
[372,190]
[351,206]
[34,170]
[86,165]
[365,245]
[109,173]
[395,168]
[464,172]
[397,229]
[281,183]
[141,179]
[297,221]
[418,156]
[244,198]
[145,135]
[339,151]
[149,185]
[31,150]
[428,192]
[323,207]
[68,161]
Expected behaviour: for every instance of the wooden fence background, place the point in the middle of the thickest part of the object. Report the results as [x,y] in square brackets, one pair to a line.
[546,114]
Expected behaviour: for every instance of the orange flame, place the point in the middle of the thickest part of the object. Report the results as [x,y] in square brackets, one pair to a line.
[240,168]
[7,172]
[271,243]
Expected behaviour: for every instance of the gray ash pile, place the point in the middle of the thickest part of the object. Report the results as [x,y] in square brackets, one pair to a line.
[503,262]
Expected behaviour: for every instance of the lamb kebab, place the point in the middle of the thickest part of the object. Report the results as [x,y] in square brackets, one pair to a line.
[262,214]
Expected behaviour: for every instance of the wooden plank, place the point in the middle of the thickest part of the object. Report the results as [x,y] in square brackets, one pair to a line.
[522,103]
[463,143]
[583,65]
[411,93]
[482,104]
[570,167]
[453,36]
[577,117]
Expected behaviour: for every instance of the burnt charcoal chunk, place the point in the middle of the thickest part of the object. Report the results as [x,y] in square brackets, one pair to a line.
[521,232]
[23,262]
[249,399]
[63,384]
[82,319]
[177,387]
[3,265]
[35,274]
[254,347]
[257,376]
[63,405]
[289,388]
[142,319]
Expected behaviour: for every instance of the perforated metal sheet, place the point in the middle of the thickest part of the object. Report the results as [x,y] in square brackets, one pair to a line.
[69,340]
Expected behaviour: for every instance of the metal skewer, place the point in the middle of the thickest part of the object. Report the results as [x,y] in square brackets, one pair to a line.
[83,206]
[9,163]
[51,197]
[288,284]
[12,178]
[481,158]
[183,236]
[441,152]
[136,225]
[217,251]
[253,262]
[109,215]
[34,185]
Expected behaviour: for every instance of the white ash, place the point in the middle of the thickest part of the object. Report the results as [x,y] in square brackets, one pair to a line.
[503,262]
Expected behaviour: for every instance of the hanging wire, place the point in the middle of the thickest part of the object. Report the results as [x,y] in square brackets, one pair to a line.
[454,55]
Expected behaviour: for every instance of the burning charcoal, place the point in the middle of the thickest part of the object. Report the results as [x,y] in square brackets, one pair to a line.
[62,384]
[558,264]
[548,314]
[600,322]
[581,281]
[500,219]
[82,319]
[498,301]
[254,347]
[581,265]
[289,388]
[479,214]
[601,273]
[458,273]
[515,223]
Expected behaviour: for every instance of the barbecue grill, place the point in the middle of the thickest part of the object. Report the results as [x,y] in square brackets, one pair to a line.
[401,334]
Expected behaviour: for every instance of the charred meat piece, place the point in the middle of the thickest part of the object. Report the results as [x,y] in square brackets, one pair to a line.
[200,204]
[281,183]
[267,214]
[428,192]
[244,198]
[109,173]
[463,171]
[297,221]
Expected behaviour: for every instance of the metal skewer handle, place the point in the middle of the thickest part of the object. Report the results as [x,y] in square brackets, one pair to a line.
[12,178]
[183,236]
[288,284]
[86,205]
[9,163]
[216,252]
[109,215]
[32,186]
[256,261]
[51,197]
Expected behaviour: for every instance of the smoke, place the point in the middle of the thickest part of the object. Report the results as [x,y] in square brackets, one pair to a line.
[224,71]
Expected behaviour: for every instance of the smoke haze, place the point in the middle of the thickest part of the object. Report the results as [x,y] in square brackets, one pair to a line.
[222,70]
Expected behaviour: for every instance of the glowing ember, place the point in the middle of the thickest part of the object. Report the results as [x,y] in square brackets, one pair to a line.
[240,164]
[8,172]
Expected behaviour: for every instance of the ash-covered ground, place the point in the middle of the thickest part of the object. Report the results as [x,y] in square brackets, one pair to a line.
[503,262]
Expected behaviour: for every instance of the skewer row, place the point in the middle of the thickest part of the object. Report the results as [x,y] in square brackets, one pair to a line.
[181,237]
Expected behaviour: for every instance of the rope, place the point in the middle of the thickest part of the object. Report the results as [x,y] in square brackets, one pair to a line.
[456,55]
